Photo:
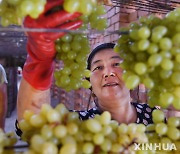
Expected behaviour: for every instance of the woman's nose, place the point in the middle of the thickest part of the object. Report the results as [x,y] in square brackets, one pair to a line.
[109,74]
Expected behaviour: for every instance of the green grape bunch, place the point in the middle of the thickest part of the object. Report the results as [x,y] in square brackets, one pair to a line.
[72,50]
[14,11]
[164,131]
[151,54]
[59,131]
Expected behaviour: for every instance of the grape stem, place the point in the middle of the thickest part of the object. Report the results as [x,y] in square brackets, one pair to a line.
[17,146]
[126,147]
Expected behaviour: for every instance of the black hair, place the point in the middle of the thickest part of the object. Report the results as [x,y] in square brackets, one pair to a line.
[96,50]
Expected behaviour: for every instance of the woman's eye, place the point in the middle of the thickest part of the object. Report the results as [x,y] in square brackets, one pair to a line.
[97,68]
[116,64]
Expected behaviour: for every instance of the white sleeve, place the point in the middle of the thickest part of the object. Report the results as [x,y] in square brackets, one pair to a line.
[3,78]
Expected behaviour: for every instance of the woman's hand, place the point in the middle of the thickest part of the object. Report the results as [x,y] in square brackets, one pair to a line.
[38,69]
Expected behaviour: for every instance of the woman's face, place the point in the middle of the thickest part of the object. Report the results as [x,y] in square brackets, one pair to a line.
[106,77]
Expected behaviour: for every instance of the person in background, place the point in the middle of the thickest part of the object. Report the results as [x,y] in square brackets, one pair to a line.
[3,97]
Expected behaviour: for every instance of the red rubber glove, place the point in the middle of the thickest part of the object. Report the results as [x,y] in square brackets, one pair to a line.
[39,66]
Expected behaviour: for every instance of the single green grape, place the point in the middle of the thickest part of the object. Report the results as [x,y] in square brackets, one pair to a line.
[154,59]
[166,99]
[88,148]
[162,30]
[46,132]
[132,81]
[166,54]
[173,121]
[37,120]
[165,43]
[176,103]
[173,133]
[72,128]
[133,33]
[49,147]
[93,125]
[37,142]
[105,118]
[60,131]
[67,38]
[86,7]
[86,84]
[68,148]
[143,44]
[165,74]
[71,5]
[53,116]
[106,145]
[122,129]
[161,128]
[158,116]
[175,78]
[153,48]
[148,82]
[140,68]
[144,32]
[167,64]
[98,138]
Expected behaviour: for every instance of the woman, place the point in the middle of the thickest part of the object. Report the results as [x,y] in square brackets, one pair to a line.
[109,90]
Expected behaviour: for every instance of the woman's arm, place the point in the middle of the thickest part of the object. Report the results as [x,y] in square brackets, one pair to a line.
[38,69]
[172,112]
[30,98]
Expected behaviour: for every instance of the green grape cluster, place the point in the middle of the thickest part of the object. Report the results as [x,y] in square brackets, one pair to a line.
[72,49]
[164,132]
[58,131]
[151,54]
[7,140]
[91,10]
[13,11]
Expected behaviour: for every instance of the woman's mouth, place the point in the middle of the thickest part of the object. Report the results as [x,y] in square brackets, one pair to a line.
[112,84]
